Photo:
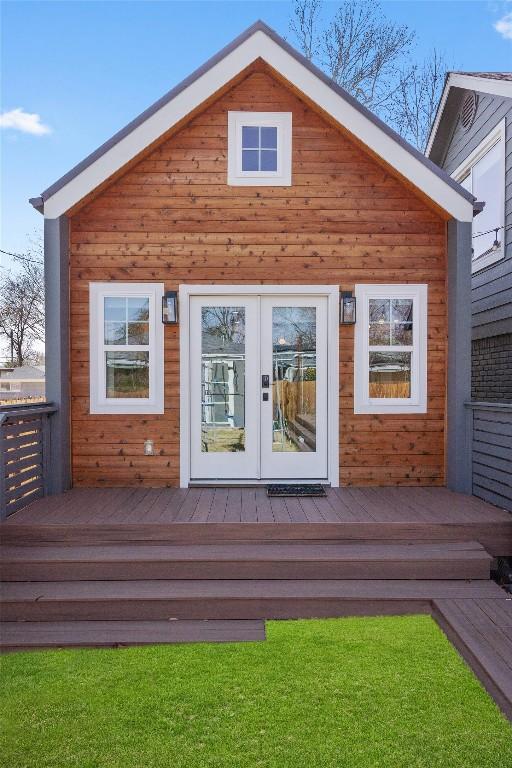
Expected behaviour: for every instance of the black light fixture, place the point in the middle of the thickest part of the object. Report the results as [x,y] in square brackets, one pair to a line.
[496,244]
[170,308]
[347,308]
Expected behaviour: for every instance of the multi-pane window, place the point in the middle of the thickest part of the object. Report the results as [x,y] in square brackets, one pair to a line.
[126,353]
[126,326]
[259,148]
[390,353]
[390,347]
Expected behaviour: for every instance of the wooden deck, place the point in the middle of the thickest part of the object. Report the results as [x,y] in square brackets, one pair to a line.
[125,566]
[103,515]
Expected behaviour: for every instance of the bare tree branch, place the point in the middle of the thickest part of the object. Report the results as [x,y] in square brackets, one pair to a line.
[22,303]
[414,105]
[304,26]
[359,48]
[371,57]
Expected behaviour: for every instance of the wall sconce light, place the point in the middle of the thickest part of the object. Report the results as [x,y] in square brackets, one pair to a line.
[347,308]
[496,244]
[170,308]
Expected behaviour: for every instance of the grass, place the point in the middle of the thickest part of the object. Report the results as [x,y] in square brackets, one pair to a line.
[350,693]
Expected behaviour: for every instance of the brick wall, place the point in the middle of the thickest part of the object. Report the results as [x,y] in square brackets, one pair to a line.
[491,377]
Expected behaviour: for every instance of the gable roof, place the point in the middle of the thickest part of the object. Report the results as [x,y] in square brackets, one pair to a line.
[257,42]
[495,83]
[23,373]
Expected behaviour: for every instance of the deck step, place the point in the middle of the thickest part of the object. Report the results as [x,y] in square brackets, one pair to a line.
[239,560]
[481,629]
[228,599]
[496,536]
[25,635]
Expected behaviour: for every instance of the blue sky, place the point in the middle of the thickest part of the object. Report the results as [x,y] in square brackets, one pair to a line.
[87,68]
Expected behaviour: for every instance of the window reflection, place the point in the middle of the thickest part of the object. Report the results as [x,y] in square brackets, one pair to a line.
[390,374]
[222,379]
[127,374]
[294,378]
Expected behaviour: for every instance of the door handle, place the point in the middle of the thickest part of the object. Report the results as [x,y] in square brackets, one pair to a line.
[265,382]
[265,397]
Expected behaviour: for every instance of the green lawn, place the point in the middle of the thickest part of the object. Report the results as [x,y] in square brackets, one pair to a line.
[369,692]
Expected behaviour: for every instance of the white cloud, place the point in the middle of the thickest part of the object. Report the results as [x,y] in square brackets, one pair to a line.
[504,26]
[26,122]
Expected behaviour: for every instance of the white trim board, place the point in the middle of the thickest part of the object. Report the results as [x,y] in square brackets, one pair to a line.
[98,401]
[495,136]
[260,45]
[469,83]
[332,293]
[417,403]
[282,177]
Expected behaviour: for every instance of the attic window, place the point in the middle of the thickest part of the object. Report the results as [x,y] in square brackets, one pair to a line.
[259,148]
[468,110]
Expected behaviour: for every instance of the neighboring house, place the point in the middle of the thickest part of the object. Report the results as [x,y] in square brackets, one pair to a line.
[254,195]
[26,381]
[471,139]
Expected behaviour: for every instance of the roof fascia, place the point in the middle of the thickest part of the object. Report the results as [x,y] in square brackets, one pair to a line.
[305,77]
[468,83]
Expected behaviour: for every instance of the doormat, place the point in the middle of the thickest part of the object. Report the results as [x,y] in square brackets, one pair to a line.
[295,490]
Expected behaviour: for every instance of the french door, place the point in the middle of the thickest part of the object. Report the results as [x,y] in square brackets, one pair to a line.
[258,374]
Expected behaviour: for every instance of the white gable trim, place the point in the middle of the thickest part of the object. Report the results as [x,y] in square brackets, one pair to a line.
[468,83]
[260,45]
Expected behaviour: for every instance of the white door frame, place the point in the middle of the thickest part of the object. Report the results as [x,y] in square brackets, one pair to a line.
[332,294]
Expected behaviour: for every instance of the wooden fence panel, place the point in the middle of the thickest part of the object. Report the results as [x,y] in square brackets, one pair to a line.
[24,453]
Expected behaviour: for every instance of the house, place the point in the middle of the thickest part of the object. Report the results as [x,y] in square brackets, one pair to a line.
[471,139]
[256,280]
[249,207]
[26,381]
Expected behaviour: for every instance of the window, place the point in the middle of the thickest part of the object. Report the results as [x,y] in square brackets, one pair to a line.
[483,174]
[126,338]
[259,148]
[390,363]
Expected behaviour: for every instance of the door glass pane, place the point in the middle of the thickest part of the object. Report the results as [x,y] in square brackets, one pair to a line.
[294,378]
[223,379]
[390,374]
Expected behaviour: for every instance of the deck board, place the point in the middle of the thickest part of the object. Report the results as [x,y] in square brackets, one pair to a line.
[407,505]
[101,515]
[105,634]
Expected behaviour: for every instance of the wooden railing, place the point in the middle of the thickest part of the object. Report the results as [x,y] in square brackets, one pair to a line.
[490,438]
[24,454]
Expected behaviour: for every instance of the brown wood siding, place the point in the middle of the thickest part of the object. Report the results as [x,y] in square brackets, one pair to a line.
[171,218]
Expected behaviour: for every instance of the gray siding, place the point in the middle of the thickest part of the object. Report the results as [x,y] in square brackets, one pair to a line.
[492,454]
[491,287]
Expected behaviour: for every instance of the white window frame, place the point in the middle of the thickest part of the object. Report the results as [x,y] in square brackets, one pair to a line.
[282,177]
[99,403]
[497,135]
[417,403]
